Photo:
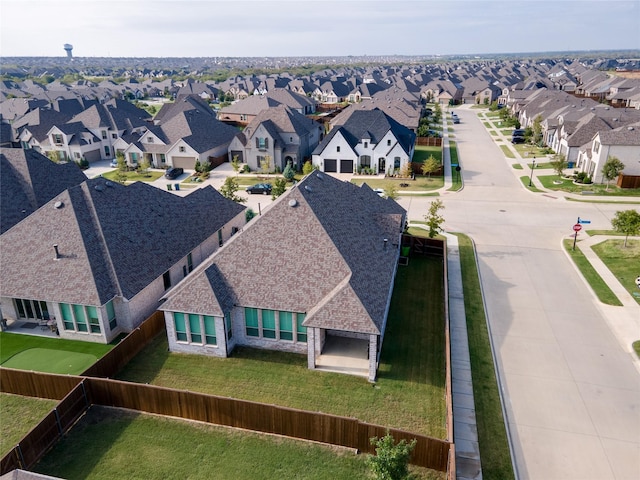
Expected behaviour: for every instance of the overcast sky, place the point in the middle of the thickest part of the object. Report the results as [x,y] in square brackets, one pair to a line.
[210,28]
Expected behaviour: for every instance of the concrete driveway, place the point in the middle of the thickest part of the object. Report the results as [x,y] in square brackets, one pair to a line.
[571,387]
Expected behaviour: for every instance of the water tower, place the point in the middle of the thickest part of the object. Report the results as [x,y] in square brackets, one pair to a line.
[68,48]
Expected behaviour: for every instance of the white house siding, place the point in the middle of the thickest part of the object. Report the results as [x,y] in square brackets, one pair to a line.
[627,154]
[331,151]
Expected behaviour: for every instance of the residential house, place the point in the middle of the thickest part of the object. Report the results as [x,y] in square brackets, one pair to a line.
[99,256]
[28,180]
[244,111]
[622,142]
[369,139]
[282,134]
[327,252]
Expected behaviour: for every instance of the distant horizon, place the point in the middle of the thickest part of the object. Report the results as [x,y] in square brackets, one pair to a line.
[313,28]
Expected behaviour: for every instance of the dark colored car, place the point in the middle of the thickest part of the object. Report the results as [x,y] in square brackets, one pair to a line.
[518,132]
[517,140]
[173,172]
[264,188]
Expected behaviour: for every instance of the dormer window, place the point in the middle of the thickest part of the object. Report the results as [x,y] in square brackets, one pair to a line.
[338,149]
[366,144]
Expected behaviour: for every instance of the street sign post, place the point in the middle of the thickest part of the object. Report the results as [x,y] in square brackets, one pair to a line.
[582,220]
[576,228]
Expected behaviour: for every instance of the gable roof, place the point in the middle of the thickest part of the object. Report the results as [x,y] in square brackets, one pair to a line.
[28,180]
[112,240]
[283,119]
[335,268]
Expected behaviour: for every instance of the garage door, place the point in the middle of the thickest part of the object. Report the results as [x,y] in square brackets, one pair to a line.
[188,163]
[346,166]
[330,165]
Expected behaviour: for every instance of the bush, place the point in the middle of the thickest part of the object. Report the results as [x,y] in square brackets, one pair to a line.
[583,178]
[83,163]
[245,169]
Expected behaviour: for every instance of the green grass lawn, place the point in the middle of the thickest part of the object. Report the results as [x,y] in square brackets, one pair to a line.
[456,177]
[421,183]
[487,125]
[492,436]
[134,176]
[636,347]
[423,152]
[493,133]
[409,392]
[622,262]
[18,415]
[525,181]
[13,343]
[120,448]
[555,182]
[530,151]
[507,151]
[516,166]
[51,361]
[601,289]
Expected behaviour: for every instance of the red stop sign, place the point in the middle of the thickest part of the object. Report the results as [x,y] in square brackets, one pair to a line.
[577,227]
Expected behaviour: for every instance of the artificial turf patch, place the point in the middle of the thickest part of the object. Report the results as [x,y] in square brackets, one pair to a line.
[51,361]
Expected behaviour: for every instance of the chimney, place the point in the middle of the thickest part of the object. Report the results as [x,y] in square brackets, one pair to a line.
[55,247]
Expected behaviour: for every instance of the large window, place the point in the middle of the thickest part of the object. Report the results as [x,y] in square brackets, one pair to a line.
[268,324]
[286,325]
[300,330]
[181,327]
[57,139]
[251,322]
[365,160]
[209,330]
[80,318]
[262,143]
[31,309]
[194,328]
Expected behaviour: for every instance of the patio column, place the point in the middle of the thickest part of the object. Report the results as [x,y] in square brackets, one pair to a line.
[373,357]
[311,348]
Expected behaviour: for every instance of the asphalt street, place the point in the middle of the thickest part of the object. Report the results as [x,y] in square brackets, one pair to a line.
[571,387]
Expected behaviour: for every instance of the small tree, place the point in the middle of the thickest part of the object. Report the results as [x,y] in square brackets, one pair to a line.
[391,191]
[434,219]
[235,164]
[307,168]
[143,167]
[279,187]
[626,222]
[405,170]
[122,163]
[229,190]
[249,214]
[558,163]
[265,164]
[611,169]
[54,156]
[288,173]
[536,130]
[391,461]
[430,166]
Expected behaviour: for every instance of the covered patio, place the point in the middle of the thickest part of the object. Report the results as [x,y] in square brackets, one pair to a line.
[344,355]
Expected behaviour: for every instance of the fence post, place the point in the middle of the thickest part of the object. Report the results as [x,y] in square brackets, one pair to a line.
[20,457]
[55,410]
[84,393]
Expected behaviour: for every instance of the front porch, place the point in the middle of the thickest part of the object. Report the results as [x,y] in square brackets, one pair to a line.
[344,355]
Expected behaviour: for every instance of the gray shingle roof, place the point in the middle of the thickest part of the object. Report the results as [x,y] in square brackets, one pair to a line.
[28,180]
[113,240]
[334,267]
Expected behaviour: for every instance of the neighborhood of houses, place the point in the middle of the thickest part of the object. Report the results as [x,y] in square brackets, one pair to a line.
[92,258]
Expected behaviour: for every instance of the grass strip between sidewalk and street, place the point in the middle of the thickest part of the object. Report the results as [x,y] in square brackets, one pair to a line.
[595,281]
[492,435]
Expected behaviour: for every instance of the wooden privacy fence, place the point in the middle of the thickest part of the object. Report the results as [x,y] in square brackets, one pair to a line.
[331,429]
[429,141]
[423,246]
[110,364]
[628,181]
[44,435]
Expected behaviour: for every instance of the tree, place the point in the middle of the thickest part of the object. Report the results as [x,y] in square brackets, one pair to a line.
[391,461]
[626,222]
[249,214]
[307,168]
[229,190]
[391,191]
[558,163]
[288,173]
[54,156]
[405,170]
[279,187]
[611,169]
[434,219]
[536,130]
[144,166]
[265,164]
[235,164]
[430,166]
[120,160]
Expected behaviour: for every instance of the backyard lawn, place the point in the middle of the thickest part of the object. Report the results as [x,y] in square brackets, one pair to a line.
[623,262]
[18,415]
[409,393]
[423,152]
[120,448]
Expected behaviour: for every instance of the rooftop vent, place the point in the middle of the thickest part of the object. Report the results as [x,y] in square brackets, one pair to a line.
[293,202]
[57,253]
[629,128]
[385,243]
[109,183]
[99,188]
[58,204]
[318,174]
[307,188]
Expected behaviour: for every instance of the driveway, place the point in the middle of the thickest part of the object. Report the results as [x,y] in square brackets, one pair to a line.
[571,388]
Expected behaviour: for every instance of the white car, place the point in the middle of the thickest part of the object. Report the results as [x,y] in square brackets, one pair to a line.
[379,191]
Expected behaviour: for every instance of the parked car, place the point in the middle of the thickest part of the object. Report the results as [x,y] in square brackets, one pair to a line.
[114,163]
[173,172]
[518,132]
[456,119]
[379,191]
[264,188]
[517,140]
